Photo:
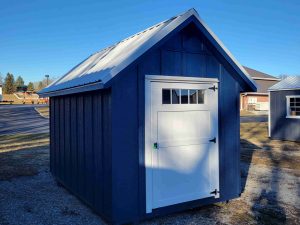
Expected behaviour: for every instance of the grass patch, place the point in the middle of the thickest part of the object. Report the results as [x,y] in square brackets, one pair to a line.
[44,111]
[23,155]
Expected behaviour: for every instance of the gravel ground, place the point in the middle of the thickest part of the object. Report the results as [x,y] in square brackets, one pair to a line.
[270,197]
[270,177]
[38,200]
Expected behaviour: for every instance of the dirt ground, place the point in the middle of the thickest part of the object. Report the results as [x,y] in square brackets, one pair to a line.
[270,172]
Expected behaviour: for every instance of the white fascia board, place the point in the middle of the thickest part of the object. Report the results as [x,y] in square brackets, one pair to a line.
[181,79]
[255,93]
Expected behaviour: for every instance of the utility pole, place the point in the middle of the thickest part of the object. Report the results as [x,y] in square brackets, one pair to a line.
[47,77]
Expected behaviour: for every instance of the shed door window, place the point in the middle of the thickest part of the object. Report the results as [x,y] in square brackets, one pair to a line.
[183,96]
[293,106]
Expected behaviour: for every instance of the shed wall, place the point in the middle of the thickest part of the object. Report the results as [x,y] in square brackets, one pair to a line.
[185,54]
[80,151]
[281,127]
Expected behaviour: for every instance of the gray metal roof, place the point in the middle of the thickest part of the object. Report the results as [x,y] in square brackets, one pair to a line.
[102,66]
[289,83]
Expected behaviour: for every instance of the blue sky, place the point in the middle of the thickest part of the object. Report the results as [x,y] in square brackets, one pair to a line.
[50,37]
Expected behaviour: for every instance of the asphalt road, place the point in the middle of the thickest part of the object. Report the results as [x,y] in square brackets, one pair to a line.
[250,119]
[21,119]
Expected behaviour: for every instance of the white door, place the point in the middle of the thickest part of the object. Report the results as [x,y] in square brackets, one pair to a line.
[182,144]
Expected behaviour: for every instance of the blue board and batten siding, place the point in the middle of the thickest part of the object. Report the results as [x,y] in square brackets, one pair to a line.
[283,128]
[97,138]
[80,151]
[185,54]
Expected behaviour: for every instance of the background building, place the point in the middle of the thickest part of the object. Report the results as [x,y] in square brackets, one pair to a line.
[258,100]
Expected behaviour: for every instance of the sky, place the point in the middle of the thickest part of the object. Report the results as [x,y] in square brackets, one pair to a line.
[39,37]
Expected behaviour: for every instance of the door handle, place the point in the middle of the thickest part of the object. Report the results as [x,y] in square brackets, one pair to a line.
[155,145]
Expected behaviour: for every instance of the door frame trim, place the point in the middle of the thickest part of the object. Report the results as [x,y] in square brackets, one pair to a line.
[148,107]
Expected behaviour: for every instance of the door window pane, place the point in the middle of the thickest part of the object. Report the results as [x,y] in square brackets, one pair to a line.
[175,96]
[193,96]
[200,96]
[166,96]
[184,96]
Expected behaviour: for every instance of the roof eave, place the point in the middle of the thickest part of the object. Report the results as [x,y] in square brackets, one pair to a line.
[72,90]
[284,89]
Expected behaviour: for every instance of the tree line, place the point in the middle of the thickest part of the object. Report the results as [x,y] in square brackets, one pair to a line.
[11,85]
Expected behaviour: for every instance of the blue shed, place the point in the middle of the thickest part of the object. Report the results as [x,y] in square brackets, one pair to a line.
[284,114]
[150,125]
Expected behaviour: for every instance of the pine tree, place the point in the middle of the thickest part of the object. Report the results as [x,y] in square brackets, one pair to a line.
[30,87]
[9,84]
[19,83]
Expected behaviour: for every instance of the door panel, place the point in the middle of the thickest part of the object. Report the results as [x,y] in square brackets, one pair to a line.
[183,128]
[184,142]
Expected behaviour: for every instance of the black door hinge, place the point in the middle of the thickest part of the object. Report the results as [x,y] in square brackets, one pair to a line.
[214,88]
[214,140]
[215,192]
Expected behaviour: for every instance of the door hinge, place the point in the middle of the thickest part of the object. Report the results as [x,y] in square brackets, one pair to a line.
[214,140]
[215,192]
[214,88]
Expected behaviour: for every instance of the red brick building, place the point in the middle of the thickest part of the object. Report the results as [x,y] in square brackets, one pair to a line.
[258,100]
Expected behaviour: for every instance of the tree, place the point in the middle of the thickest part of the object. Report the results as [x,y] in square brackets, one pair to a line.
[30,87]
[40,86]
[1,79]
[283,76]
[9,84]
[19,83]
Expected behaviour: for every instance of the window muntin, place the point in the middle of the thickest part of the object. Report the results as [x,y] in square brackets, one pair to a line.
[293,106]
[183,96]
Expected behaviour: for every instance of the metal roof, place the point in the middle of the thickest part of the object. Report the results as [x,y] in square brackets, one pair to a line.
[289,83]
[102,66]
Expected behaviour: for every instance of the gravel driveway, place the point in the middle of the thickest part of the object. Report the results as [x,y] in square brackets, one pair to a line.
[21,119]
